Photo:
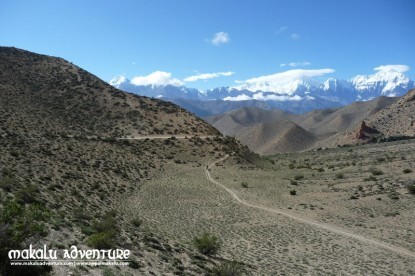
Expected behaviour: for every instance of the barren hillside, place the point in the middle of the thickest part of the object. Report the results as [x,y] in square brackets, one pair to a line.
[318,128]
[64,172]
[397,119]
[42,94]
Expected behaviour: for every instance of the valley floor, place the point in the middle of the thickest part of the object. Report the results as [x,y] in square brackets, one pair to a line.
[357,190]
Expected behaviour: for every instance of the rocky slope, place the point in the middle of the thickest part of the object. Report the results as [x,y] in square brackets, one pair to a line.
[64,175]
[54,95]
[397,119]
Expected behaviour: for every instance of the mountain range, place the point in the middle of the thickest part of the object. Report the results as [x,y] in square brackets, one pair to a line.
[272,131]
[294,95]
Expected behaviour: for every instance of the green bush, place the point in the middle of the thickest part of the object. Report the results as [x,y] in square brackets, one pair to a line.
[293,192]
[376,171]
[207,244]
[244,184]
[107,224]
[137,222]
[411,188]
[104,232]
[407,171]
[227,268]
[8,184]
[20,224]
[101,240]
[134,264]
[28,194]
[339,176]
[298,177]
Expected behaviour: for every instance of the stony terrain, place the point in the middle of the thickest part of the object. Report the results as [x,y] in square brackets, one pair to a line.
[359,190]
[64,169]
[46,95]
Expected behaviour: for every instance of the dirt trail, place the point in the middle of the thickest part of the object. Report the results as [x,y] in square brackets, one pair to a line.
[334,229]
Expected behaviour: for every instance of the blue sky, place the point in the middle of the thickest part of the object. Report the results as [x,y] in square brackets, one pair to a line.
[225,41]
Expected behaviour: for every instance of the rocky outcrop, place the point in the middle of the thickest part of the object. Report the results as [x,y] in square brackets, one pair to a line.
[364,132]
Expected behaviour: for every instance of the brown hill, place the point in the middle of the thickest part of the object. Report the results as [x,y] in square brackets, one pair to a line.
[42,94]
[393,121]
[397,119]
[250,116]
[263,131]
[64,178]
[327,122]
[318,128]
[277,136]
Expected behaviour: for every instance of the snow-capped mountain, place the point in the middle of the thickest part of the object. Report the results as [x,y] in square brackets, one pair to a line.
[158,91]
[383,83]
[291,87]
[336,90]
[294,92]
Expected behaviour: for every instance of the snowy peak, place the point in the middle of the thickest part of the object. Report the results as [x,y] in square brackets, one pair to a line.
[280,87]
[118,81]
[287,87]
[383,83]
[333,84]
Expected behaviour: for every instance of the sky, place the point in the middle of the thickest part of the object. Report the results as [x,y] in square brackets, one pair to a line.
[211,43]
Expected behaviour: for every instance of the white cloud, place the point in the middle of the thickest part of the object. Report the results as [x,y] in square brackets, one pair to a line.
[261,97]
[238,98]
[220,38]
[290,75]
[295,64]
[158,78]
[207,76]
[388,68]
[273,97]
[283,83]
[281,30]
[295,36]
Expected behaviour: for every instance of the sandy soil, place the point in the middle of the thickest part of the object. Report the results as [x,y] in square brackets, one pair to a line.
[320,230]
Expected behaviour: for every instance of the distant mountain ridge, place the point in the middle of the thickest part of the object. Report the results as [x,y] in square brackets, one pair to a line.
[272,131]
[298,96]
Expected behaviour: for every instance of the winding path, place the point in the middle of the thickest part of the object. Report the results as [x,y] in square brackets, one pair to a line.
[334,229]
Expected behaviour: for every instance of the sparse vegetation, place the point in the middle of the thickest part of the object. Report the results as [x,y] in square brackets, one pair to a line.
[227,268]
[102,240]
[411,187]
[339,175]
[137,222]
[19,225]
[376,171]
[8,184]
[298,177]
[207,244]
[370,178]
[293,182]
